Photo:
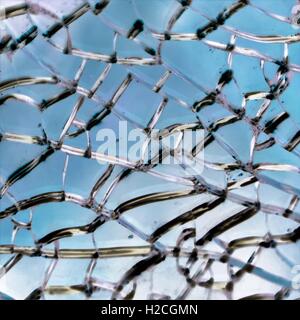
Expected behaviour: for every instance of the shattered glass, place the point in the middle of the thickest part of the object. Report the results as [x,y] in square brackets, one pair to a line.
[71,228]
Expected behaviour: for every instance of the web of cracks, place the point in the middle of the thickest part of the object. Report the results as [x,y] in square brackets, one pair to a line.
[194,262]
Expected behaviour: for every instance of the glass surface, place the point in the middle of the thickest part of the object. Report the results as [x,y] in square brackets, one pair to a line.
[72,227]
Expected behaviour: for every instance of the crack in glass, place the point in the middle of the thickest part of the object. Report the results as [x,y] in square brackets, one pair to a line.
[74,228]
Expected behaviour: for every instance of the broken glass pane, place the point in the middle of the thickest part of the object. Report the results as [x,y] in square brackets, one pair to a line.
[79,223]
